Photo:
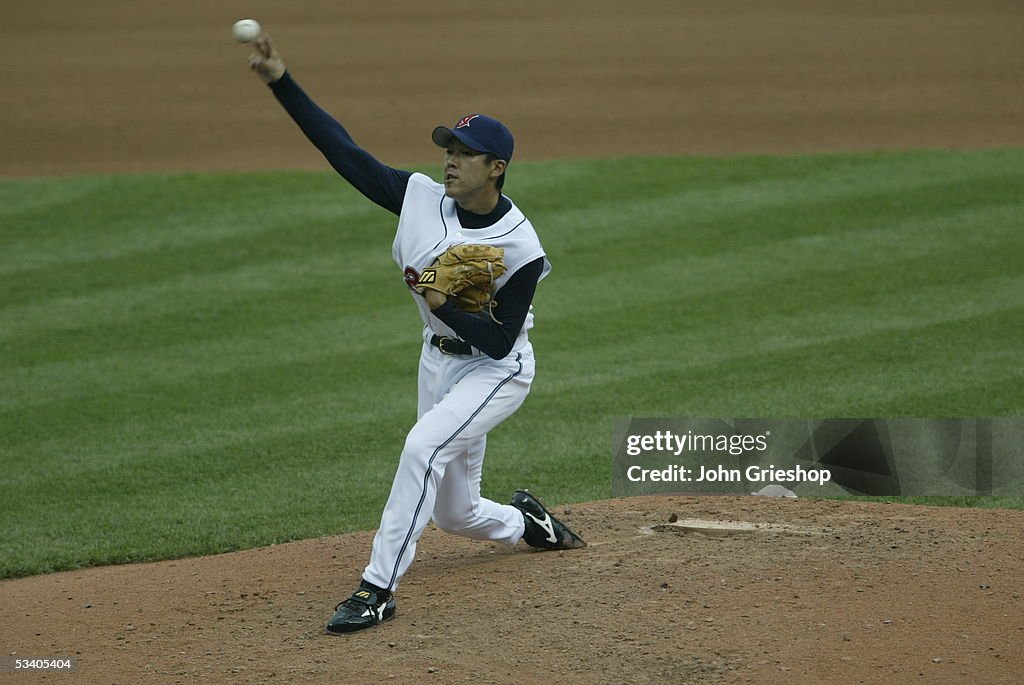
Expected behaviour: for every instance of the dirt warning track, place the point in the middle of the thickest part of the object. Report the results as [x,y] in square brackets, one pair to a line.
[151,86]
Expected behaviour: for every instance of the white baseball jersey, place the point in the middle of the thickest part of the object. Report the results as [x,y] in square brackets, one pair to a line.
[429,225]
[461,397]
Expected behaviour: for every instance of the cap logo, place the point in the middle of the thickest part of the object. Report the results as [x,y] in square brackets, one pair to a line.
[464,121]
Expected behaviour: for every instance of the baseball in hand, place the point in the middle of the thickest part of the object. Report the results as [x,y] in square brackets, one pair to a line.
[246,30]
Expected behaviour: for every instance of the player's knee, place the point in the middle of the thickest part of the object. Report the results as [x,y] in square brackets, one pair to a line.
[452,521]
[425,441]
[419,445]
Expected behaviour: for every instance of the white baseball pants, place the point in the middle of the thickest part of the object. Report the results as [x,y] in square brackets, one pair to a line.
[461,398]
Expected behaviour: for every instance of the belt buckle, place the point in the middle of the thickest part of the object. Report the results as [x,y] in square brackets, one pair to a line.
[440,345]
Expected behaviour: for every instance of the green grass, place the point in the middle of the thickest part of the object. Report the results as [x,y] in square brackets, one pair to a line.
[199,363]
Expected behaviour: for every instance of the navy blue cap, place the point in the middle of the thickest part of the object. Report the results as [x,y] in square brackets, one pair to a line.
[479,132]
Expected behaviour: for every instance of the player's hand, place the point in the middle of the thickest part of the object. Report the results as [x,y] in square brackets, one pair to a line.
[266,61]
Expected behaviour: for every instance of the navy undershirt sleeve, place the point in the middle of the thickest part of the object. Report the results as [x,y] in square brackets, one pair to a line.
[513,304]
[378,182]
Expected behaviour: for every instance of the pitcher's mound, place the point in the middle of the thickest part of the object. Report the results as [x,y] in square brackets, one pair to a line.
[760,590]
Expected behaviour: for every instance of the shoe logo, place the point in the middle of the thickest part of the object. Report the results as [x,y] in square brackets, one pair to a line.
[546,525]
[377,612]
[363,594]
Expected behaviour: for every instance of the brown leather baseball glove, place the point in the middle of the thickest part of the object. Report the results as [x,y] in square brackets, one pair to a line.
[467,274]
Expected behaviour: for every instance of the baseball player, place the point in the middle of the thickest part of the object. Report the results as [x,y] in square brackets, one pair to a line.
[475,369]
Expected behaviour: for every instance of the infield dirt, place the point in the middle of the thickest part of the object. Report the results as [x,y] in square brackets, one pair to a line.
[868,593]
[112,86]
[861,593]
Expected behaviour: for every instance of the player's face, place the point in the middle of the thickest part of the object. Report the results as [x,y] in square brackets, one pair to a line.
[467,173]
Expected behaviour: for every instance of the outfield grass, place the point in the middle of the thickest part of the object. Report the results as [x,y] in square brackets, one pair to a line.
[199,363]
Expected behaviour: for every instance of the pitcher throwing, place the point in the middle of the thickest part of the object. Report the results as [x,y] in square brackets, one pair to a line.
[476,362]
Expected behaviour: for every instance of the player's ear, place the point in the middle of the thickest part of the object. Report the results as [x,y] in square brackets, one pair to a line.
[498,168]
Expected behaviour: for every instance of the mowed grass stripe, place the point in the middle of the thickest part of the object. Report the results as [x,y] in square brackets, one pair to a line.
[189,367]
[346,338]
[210,303]
[945,248]
[254,297]
[772,341]
[188,404]
[193,309]
[603,182]
[888,374]
[129,217]
[272,242]
[93,448]
[297,381]
[673,204]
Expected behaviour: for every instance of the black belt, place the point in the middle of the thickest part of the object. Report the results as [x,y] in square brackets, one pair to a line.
[449,345]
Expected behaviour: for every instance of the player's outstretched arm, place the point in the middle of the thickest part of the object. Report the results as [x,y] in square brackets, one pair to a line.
[380,183]
[266,61]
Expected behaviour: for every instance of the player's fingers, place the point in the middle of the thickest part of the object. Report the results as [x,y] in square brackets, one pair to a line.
[264,46]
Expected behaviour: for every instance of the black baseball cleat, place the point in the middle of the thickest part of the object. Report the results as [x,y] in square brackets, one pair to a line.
[543,530]
[364,609]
